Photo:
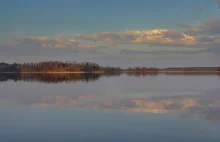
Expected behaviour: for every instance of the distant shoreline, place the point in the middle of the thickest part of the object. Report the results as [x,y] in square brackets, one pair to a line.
[56,72]
[102,72]
[57,67]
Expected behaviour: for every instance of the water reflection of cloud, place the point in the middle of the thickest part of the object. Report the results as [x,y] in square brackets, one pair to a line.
[206,106]
[152,105]
[45,101]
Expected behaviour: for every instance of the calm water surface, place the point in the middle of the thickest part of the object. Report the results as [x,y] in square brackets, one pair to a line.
[120,108]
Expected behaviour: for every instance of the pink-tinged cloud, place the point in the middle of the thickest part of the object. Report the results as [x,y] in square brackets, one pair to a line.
[35,46]
[205,35]
[156,36]
[50,42]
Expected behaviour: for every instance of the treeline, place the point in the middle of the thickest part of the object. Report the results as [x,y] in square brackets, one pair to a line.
[4,67]
[59,67]
[90,67]
[55,66]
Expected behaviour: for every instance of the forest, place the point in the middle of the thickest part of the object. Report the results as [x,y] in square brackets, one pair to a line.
[90,67]
[55,66]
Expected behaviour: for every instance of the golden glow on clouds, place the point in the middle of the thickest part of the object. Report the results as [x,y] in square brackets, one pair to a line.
[50,42]
[155,36]
[191,41]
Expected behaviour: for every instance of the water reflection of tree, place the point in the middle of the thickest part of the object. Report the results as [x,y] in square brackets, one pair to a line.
[9,76]
[139,74]
[73,77]
[50,78]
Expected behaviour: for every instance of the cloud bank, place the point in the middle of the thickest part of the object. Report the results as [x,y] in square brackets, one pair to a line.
[205,36]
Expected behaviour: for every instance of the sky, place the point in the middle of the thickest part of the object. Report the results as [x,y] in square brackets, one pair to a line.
[123,33]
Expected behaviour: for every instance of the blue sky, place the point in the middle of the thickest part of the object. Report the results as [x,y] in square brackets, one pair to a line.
[25,22]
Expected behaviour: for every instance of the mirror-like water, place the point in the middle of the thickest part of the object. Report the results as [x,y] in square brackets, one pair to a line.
[110,108]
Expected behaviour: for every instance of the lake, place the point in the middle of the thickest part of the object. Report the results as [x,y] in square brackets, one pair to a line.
[153,108]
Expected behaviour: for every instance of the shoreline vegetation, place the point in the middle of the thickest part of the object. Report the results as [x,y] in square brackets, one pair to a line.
[67,72]
[57,67]
[121,72]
